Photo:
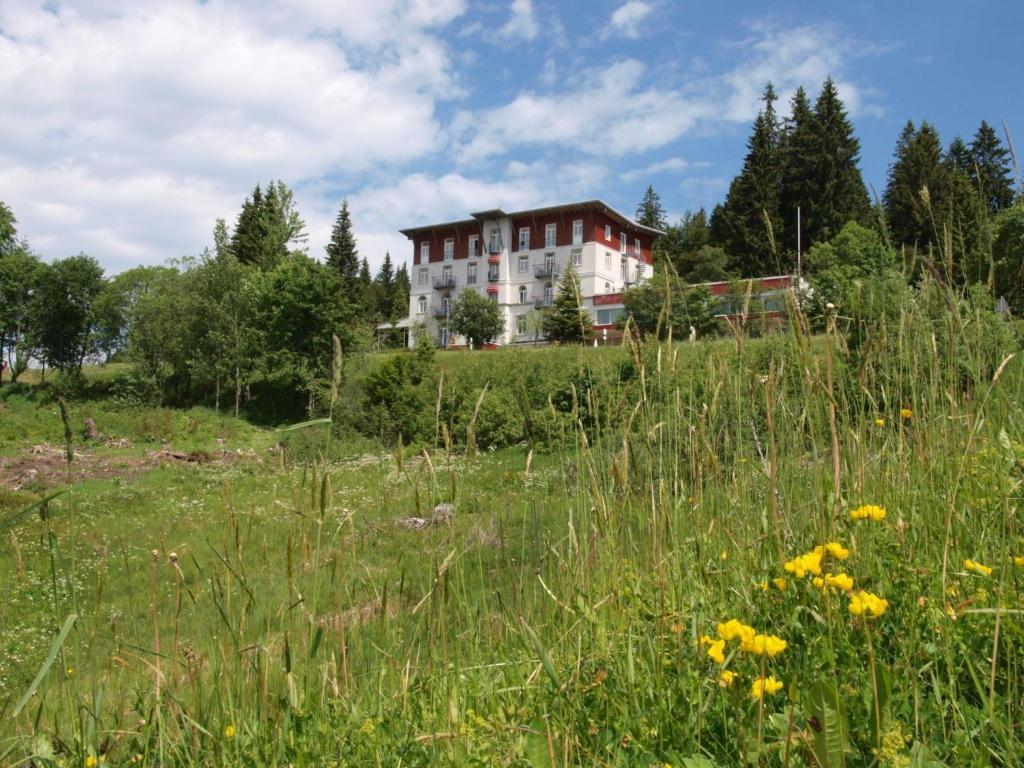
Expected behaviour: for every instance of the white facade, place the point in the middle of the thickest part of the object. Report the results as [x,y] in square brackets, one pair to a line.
[508,266]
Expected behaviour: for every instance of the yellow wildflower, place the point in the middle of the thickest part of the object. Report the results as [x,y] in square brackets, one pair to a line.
[229,731]
[868,512]
[90,762]
[763,586]
[978,568]
[818,582]
[1018,560]
[839,581]
[780,583]
[716,652]
[837,550]
[726,678]
[810,562]
[879,422]
[906,414]
[735,630]
[764,645]
[705,640]
[765,685]
[70,671]
[866,603]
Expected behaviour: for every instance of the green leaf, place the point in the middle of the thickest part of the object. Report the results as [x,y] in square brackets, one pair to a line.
[831,734]
[545,658]
[50,658]
[537,752]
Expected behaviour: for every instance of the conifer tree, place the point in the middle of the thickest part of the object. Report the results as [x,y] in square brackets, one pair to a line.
[247,239]
[384,284]
[568,321]
[912,214]
[221,239]
[799,161]
[267,226]
[341,250]
[747,224]
[991,172]
[363,296]
[403,285]
[650,212]
[842,196]
[958,157]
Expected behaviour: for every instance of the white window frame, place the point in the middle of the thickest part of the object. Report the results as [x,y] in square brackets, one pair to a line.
[424,275]
[636,246]
[521,328]
[608,233]
[421,307]
[608,261]
[474,246]
[524,264]
[424,253]
[495,239]
[524,231]
[471,273]
[577,257]
[550,235]
[523,294]
[449,248]
[623,242]
[607,287]
[624,264]
[577,232]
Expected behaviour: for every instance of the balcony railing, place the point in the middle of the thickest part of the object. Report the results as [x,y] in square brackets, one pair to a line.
[543,301]
[444,281]
[493,275]
[546,269]
[440,311]
[494,247]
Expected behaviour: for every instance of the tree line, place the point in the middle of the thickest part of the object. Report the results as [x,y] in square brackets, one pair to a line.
[953,210]
[255,306]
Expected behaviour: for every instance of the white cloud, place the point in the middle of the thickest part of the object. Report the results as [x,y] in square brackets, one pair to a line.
[109,97]
[522,25]
[627,19]
[669,165]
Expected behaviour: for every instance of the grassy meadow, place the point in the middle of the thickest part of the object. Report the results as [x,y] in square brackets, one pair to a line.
[789,551]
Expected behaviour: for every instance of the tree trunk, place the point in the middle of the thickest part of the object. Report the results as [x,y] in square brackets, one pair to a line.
[238,390]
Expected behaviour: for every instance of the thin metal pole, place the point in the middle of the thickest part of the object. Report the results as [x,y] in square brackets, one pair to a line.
[798,241]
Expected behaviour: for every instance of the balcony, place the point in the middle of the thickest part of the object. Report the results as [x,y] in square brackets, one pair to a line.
[547,269]
[440,311]
[494,248]
[494,259]
[443,282]
[543,302]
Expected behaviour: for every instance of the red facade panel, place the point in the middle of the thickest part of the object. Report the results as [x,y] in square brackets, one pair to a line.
[459,233]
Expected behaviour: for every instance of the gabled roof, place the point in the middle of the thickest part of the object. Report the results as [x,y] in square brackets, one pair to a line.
[497,213]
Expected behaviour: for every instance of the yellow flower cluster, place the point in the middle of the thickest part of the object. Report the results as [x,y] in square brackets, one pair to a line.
[229,731]
[716,651]
[765,685]
[1018,561]
[764,645]
[868,512]
[906,414]
[809,562]
[840,581]
[865,603]
[735,630]
[726,678]
[837,550]
[978,568]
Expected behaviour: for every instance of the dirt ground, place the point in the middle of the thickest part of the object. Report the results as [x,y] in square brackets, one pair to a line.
[45,466]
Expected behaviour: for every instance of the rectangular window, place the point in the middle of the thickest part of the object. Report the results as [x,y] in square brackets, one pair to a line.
[471,273]
[423,276]
[474,246]
[607,233]
[524,238]
[577,232]
[449,249]
[424,253]
[524,264]
[636,247]
[521,327]
[622,242]
[550,233]
[577,256]
[608,261]
[495,240]
[625,271]
[608,316]
[446,275]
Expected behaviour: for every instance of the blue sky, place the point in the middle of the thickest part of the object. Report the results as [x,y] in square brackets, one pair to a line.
[127,128]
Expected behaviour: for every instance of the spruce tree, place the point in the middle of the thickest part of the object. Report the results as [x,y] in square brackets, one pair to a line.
[384,282]
[917,165]
[799,161]
[247,239]
[403,285]
[650,212]
[991,172]
[341,250]
[842,196]
[747,224]
[567,321]
[958,157]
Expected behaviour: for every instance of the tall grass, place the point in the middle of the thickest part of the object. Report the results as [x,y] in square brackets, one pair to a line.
[559,619]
